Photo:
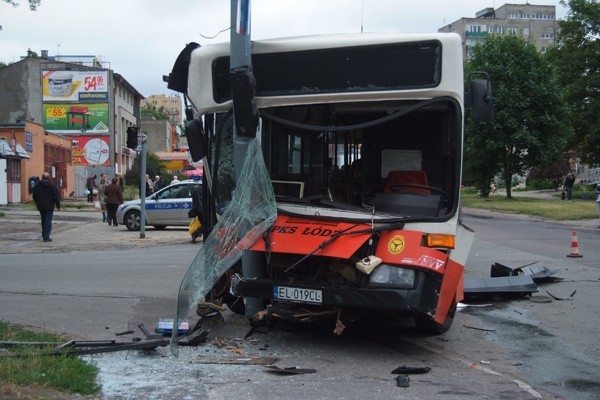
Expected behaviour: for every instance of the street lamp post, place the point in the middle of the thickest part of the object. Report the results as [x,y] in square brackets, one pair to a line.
[142,138]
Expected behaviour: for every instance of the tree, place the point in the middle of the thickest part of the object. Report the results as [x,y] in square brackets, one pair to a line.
[528,128]
[33,5]
[153,167]
[577,60]
[149,110]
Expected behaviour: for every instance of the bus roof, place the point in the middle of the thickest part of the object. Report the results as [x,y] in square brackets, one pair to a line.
[207,83]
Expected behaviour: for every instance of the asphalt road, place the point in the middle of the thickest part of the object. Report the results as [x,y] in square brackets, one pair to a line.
[93,281]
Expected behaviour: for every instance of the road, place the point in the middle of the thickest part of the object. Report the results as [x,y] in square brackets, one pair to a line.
[94,282]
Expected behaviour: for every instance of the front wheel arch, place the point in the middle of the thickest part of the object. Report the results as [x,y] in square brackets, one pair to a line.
[428,326]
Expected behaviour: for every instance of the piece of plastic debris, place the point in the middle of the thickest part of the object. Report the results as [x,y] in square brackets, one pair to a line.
[165,325]
[411,370]
[403,380]
[541,299]
[289,370]
[570,297]
[479,329]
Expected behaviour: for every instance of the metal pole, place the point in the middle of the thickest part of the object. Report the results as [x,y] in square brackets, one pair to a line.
[143,189]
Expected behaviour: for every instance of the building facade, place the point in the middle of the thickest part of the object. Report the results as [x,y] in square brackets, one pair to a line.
[536,24]
[35,151]
[91,106]
[171,105]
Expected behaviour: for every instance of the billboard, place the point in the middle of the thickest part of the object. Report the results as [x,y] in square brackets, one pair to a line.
[75,86]
[70,118]
[91,151]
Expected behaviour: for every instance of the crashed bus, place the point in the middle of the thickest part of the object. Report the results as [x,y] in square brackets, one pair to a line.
[362,138]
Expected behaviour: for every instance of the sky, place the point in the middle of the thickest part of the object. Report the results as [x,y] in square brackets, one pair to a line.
[140,39]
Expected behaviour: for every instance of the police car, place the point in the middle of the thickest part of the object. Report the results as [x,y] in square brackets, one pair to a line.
[168,206]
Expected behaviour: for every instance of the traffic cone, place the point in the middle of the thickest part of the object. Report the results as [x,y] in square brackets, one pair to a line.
[574,247]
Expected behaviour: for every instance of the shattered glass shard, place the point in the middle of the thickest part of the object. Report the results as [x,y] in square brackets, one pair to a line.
[252,211]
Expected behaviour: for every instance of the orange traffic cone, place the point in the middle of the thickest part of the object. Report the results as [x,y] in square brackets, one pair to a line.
[574,247]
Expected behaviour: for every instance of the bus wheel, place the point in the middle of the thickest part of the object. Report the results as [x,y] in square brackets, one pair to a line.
[427,326]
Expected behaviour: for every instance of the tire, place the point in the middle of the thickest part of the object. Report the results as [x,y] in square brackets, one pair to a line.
[160,227]
[427,326]
[133,220]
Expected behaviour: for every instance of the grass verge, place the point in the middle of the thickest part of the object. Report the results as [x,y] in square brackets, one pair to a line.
[545,208]
[29,365]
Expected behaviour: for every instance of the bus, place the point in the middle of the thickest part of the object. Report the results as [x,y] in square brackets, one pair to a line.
[362,138]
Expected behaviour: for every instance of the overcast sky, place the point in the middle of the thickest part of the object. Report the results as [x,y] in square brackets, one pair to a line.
[142,38]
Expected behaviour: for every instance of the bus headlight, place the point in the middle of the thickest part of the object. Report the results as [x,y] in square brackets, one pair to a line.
[388,276]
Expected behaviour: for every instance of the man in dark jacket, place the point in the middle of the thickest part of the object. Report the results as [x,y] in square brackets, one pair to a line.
[114,197]
[46,197]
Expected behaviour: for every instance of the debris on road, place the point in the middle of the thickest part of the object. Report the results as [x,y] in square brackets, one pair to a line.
[570,297]
[411,370]
[537,270]
[507,286]
[289,370]
[403,380]
[479,329]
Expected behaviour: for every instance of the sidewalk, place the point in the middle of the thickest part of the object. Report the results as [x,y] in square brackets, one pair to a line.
[76,230]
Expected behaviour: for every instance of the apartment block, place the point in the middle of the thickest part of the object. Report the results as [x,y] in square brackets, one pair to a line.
[536,24]
[171,105]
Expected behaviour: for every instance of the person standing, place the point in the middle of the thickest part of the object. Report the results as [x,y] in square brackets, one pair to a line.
[196,213]
[46,198]
[598,200]
[101,197]
[90,185]
[569,182]
[158,183]
[175,180]
[114,197]
[149,185]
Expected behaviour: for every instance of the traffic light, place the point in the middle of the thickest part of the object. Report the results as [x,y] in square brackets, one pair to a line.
[132,137]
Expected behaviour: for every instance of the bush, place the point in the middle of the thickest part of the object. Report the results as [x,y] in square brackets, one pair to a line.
[539,184]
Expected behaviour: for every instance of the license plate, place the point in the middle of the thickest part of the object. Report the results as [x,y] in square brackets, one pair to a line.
[298,295]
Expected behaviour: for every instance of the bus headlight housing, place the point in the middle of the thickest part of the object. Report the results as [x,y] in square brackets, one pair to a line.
[389,276]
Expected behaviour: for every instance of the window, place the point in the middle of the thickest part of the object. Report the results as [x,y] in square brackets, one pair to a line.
[547,36]
[525,31]
[512,30]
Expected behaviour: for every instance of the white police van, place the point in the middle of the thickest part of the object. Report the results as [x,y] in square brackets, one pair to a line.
[168,206]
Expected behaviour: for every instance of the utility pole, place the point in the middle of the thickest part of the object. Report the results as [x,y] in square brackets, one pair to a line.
[142,138]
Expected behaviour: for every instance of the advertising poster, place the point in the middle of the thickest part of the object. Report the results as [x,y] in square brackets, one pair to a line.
[75,86]
[68,118]
[91,151]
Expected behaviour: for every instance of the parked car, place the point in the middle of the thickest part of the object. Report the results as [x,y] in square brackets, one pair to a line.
[168,206]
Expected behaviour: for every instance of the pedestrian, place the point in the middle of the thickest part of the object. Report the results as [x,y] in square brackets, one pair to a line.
[569,182]
[175,180]
[101,196]
[46,198]
[598,199]
[114,197]
[149,185]
[90,185]
[158,183]
[196,213]
[120,183]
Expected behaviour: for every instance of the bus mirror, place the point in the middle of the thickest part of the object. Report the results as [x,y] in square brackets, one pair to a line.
[481,100]
[195,139]
[243,88]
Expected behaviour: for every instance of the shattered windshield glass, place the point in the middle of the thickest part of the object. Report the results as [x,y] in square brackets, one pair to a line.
[251,212]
